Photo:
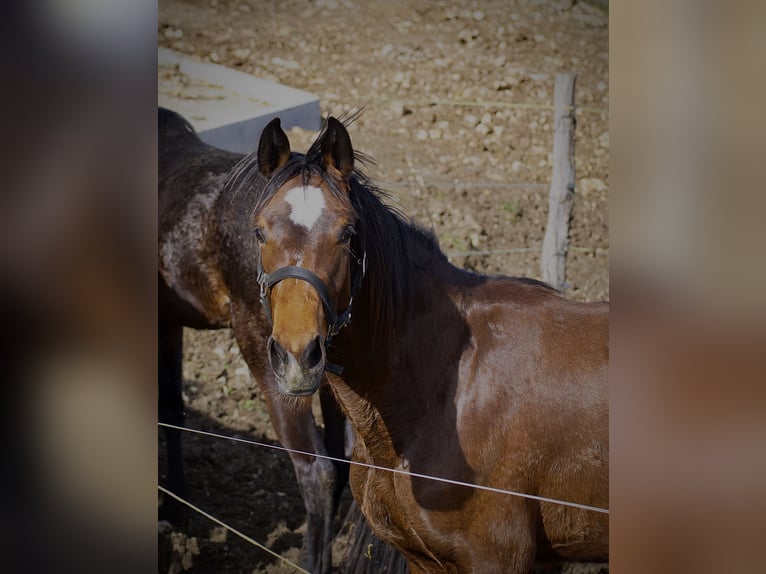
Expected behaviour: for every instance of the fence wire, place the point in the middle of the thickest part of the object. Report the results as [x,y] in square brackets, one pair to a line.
[243,536]
[394,470]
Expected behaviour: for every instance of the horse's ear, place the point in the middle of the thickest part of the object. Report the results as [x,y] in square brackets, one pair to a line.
[273,148]
[336,149]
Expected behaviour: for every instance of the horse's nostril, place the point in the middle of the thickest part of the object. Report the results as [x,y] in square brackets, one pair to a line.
[313,354]
[277,355]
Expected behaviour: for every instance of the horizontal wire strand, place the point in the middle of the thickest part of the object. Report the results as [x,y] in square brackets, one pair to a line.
[493,252]
[394,470]
[473,103]
[478,184]
[244,537]
[575,249]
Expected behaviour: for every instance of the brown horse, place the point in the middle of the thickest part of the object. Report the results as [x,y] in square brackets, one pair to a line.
[207,269]
[494,381]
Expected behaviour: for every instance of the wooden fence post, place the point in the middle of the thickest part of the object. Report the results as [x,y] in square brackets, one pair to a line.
[561,195]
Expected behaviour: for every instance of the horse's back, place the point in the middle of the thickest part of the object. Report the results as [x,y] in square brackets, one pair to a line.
[172,125]
[569,336]
[182,154]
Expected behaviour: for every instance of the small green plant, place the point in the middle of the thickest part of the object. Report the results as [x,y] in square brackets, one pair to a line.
[512,207]
[455,242]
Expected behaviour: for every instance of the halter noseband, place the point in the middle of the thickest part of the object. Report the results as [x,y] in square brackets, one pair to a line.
[335,322]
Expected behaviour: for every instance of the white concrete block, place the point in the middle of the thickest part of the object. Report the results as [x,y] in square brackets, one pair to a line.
[229,108]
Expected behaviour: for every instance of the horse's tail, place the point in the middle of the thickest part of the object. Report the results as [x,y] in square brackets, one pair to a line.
[365,553]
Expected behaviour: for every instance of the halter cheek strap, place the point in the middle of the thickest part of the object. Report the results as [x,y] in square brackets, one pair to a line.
[335,322]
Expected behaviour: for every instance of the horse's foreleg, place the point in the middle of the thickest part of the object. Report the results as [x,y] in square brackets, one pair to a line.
[171,406]
[336,438]
[317,478]
[514,546]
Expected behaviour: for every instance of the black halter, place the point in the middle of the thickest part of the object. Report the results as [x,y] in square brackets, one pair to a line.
[335,321]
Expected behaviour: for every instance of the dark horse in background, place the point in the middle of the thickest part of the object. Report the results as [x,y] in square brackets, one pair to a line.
[495,381]
[207,280]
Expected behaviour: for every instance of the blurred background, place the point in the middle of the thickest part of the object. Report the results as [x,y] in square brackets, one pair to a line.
[457,113]
[77,263]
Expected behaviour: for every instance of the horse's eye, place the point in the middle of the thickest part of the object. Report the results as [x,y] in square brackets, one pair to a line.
[347,234]
[259,235]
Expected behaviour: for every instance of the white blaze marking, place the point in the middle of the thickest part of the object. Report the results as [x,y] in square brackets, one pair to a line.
[307,204]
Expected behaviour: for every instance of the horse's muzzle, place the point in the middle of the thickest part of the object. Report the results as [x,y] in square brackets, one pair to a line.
[298,376]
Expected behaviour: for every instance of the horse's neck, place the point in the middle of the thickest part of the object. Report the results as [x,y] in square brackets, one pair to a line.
[379,428]
[390,389]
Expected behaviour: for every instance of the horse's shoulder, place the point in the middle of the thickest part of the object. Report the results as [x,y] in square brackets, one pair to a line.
[188,238]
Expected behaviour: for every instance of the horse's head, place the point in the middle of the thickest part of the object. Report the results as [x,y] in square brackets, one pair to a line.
[309,269]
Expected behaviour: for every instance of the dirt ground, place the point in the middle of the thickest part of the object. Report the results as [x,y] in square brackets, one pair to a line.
[439,82]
